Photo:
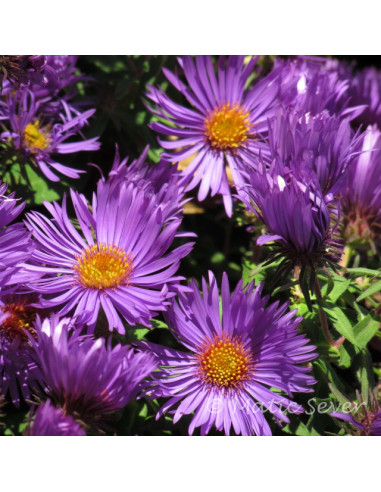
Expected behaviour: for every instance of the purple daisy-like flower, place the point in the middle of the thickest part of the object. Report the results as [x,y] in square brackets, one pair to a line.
[62,81]
[51,421]
[370,426]
[87,378]
[18,371]
[225,125]
[361,195]
[236,353]
[39,140]
[320,145]
[61,74]
[300,221]
[119,262]
[312,88]
[365,417]
[160,180]
[16,245]
[22,69]
[365,89]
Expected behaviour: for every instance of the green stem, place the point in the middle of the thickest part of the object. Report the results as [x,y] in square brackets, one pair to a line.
[324,321]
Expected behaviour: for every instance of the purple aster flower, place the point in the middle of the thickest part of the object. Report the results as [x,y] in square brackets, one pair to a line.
[365,417]
[371,426]
[15,241]
[39,140]
[87,378]
[61,74]
[311,88]
[18,371]
[361,196]
[22,69]
[224,126]
[300,221]
[118,262]
[236,354]
[160,180]
[62,81]
[365,89]
[322,145]
[51,421]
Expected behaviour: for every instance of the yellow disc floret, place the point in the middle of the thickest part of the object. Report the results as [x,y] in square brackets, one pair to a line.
[35,137]
[227,126]
[19,318]
[225,362]
[102,266]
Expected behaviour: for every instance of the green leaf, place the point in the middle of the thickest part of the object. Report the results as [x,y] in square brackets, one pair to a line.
[341,398]
[373,289]
[365,331]
[364,373]
[218,257]
[327,287]
[284,287]
[154,155]
[40,188]
[159,324]
[340,286]
[234,266]
[360,310]
[302,430]
[144,411]
[364,272]
[249,270]
[140,333]
[329,373]
[341,322]
[347,353]
[22,427]
[27,183]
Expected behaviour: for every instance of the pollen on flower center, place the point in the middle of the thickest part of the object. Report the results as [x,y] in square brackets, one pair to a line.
[19,318]
[36,138]
[227,126]
[102,266]
[225,362]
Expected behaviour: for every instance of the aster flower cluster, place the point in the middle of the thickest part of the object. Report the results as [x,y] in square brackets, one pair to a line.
[107,322]
[38,122]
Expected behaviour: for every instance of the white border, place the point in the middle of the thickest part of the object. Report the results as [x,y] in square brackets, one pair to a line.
[174,464]
[175,27]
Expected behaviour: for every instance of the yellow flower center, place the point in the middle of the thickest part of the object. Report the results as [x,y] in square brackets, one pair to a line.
[102,267]
[20,318]
[227,126]
[36,138]
[225,362]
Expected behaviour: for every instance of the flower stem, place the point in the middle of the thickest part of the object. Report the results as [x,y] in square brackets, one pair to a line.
[324,321]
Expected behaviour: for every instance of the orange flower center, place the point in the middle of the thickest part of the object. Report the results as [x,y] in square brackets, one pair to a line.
[36,138]
[225,362]
[20,318]
[227,126]
[102,267]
